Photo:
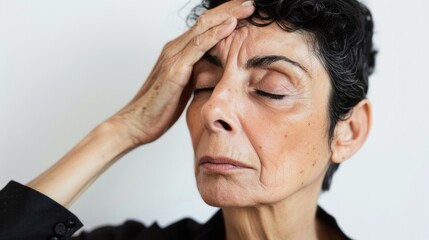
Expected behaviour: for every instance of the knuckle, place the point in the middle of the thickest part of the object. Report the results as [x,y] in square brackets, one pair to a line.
[196,41]
[203,21]
[198,24]
[214,33]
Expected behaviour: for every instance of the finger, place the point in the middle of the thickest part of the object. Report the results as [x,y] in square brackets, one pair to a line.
[215,17]
[218,15]
[198,46]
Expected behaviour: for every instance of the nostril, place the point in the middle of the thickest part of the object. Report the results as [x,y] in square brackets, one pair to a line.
[225,125]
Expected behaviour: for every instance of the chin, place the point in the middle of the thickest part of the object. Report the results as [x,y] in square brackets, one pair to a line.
[224,192]
[222,199]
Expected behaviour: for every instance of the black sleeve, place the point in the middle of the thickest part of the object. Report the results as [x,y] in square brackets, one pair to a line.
[28,214]
[133,230]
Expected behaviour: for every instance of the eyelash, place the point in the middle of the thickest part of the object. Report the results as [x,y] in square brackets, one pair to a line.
[259,92]
[198,90]
[270,95]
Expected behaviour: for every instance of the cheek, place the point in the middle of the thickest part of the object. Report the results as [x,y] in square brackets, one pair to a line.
[297,153]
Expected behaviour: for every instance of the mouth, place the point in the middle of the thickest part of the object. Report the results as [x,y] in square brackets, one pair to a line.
[221,164]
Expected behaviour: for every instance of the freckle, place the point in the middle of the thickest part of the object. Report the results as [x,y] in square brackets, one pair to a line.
[156,87]
[144,108]
[286,136]
[314,148]
[309,124]
[260,147]
[302,171]
[314,163]
[302,183]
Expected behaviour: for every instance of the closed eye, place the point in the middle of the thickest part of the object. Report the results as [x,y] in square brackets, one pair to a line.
[270,95]
[205,89]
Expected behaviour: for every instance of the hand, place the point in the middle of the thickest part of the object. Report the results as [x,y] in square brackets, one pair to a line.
[163,97]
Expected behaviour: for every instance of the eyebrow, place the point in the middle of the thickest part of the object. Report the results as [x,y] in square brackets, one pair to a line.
[212,59]
[257,62]
[264,61]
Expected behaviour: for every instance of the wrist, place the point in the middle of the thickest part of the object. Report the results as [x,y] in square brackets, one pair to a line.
[115,135]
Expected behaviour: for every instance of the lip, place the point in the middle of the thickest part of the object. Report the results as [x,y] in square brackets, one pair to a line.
[221,164]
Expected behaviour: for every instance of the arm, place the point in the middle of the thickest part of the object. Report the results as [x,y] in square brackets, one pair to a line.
[155,108]
[66,179]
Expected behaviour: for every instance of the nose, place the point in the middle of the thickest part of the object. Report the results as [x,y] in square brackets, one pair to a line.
[220,112]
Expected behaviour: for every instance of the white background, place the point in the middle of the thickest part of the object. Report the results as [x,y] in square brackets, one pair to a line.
[67,65]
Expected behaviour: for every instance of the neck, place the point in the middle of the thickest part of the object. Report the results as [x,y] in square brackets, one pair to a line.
[292,218]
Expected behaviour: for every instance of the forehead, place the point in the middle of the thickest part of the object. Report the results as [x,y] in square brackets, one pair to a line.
[249,41]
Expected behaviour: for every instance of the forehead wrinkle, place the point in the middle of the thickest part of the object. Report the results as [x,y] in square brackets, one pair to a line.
[249,41]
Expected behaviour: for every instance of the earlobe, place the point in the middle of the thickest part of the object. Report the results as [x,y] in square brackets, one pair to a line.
[351,133]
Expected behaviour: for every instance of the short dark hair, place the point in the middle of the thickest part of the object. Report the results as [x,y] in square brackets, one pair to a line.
[341,31]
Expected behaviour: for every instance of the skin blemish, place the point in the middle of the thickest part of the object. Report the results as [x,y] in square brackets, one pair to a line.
[286,136]
[156,87]
[302,171]
[314,163]
[260,147]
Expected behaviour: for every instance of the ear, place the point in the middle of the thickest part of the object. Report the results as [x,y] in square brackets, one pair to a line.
[351,133]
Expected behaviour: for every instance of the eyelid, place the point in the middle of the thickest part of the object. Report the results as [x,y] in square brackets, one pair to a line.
[292,75]
[270,95]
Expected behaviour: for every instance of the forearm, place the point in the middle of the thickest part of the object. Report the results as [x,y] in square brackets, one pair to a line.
[70,176]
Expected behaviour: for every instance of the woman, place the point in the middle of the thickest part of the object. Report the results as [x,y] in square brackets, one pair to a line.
[278,103]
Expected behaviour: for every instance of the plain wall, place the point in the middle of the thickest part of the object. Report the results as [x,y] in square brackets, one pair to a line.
[65,66]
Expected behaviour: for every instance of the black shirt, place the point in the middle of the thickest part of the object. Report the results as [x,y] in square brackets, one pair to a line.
[28,214]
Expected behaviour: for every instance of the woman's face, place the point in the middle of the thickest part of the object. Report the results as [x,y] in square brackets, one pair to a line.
[259,118]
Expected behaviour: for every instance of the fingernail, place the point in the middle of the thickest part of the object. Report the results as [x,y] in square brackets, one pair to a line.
[247,4]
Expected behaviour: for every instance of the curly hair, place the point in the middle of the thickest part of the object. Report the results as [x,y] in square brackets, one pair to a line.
[341,32]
